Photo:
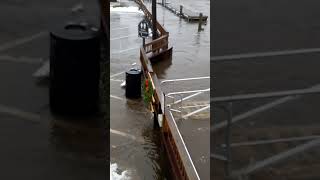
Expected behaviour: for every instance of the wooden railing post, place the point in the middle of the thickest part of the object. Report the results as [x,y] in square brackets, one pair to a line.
[181,7]
[200,22]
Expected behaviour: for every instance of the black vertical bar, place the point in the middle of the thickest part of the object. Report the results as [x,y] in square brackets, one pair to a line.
[154,19]
[200,22]
[105,80]
[228,137]
[143,42]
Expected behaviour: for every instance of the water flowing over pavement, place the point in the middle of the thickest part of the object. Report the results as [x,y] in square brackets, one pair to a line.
[134,142]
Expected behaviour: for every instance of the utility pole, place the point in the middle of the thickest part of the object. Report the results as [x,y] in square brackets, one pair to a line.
[154,19]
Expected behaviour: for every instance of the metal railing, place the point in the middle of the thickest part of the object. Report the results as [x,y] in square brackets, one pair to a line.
[194,93]
[251,168]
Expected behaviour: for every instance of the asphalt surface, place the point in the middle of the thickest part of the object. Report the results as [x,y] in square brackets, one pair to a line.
[255,26]
[34,143]
[264,26]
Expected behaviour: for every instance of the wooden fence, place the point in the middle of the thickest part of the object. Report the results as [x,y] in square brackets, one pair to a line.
[173,143]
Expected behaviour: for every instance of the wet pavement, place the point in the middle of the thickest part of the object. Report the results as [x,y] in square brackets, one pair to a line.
[266,26]
[134,142]
[35,143]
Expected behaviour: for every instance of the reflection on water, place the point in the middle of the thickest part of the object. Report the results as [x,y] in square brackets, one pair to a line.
[84,138]
[151,145]
[160,67]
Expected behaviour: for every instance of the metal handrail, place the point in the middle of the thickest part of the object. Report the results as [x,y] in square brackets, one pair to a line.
[185,147]
[174,102]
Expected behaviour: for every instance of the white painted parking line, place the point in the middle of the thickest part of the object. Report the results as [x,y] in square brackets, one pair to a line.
[123,134]
[253,167]
[123,37]
[119,28]
[117,74]
[273,94]
[116,80]
[19,113]
[18,42]
[201,105]
[263,54]
[272,141]
[218,157]
[116,97]
[188,97]
[196,111]
[125,50]
[259,109]
[27,60]
[252,112]
[184,79]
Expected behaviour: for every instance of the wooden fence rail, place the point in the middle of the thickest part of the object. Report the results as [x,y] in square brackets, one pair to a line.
[178,155]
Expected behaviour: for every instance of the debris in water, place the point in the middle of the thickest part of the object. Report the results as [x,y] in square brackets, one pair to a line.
[117,174]
[123,84]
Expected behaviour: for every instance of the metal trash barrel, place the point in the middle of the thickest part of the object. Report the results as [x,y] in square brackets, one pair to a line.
[74,69]
[133,83]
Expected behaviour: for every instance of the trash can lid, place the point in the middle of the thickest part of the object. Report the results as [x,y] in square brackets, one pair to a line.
[134,71]
[75,31]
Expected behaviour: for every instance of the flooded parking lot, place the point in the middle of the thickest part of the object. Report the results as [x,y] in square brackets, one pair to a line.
[35,143]
[265,128]
[40,145]
[134,142]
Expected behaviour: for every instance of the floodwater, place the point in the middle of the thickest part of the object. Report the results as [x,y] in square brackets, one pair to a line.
[134,143]
[267,26]
[36,144]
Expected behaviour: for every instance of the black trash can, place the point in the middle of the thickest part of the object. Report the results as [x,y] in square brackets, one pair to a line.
[133,83]
[74,69]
